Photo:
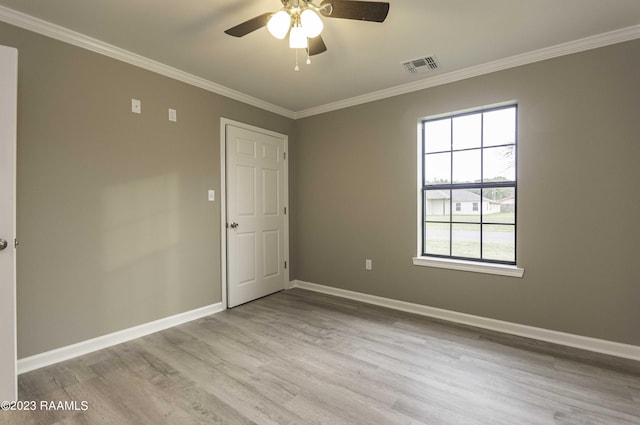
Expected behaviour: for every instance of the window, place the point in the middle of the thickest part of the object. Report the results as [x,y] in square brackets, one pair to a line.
[469,162]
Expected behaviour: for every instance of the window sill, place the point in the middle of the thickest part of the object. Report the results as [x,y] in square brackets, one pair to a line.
[469,266]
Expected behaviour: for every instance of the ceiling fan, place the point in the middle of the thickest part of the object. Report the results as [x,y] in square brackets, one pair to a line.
[301,20]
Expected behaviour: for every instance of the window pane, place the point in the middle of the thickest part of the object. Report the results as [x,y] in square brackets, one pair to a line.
[499,205]
[437,168]
[499,127]
[499,242]
[499,164]
[467,131]
[437,135]
[470,151]
[466,198]
[437,205]
[436,238]
[466,166]
[466,240]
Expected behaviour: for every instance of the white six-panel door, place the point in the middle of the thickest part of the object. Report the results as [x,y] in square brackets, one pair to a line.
[255,180]
[8,108]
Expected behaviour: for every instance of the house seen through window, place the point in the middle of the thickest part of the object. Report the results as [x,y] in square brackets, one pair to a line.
[469,186]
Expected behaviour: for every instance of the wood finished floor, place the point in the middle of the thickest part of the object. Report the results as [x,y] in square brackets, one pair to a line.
[299,357]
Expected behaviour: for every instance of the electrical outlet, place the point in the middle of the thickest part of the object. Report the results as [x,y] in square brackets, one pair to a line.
[368,264]
[173,115]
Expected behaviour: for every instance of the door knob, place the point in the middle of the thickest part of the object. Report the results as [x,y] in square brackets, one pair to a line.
[234,225]
[3,244]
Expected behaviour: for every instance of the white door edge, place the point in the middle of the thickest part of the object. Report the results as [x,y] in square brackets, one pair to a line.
[8,134]
[224,122]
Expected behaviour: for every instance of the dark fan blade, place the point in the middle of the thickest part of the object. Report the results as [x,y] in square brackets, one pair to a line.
[316,46]
[372,11]
[250,25]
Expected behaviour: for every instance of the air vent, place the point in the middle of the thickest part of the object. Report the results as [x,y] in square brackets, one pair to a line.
[420,65]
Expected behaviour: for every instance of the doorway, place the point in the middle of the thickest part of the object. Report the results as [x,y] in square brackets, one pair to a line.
[255,223]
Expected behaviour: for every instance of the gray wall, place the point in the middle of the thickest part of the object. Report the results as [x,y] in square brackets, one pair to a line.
[113,221]
[115,229]
[578,227]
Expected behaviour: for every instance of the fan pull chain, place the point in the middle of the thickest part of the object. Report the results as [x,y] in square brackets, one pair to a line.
[297,68]
[308,58]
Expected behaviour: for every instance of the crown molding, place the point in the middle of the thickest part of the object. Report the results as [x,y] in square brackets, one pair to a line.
[59,33]
[576,46]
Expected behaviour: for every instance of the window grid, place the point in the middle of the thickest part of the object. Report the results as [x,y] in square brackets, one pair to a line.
[481,185]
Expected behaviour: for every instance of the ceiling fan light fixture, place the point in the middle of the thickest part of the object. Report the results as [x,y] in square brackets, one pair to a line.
[279,24]
[298,38]
[311,23]
[302,20]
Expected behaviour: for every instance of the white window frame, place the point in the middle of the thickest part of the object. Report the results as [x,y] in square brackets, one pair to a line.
[452,263]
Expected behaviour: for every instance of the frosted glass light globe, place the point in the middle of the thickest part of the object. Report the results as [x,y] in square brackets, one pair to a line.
[279,24]
[311,23]
[297,38]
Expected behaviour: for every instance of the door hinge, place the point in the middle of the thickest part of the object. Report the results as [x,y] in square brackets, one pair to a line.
[285,264]
[15,243]
[284,155]
[285,210]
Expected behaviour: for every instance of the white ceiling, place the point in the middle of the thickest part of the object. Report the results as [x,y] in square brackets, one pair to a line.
[362,57]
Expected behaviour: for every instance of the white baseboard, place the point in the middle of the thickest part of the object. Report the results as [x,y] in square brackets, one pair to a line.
[586,343]
[48,358]
[617,349]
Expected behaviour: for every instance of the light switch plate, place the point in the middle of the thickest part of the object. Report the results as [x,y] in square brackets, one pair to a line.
[136,106]
[173,116]
[212,195]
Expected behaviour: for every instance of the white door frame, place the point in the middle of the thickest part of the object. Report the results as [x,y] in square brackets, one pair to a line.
[224,122]
[8,146]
